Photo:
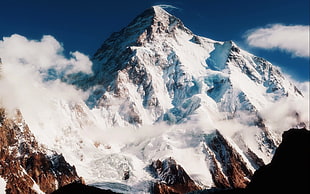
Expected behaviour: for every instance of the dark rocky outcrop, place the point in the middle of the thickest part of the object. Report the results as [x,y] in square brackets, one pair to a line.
[171,177]
[289,170]
[25,164]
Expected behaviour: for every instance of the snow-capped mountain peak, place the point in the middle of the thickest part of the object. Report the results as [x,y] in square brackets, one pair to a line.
[156,67]
[159,91]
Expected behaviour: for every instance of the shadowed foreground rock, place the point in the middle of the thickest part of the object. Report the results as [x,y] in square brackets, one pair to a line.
[289,170]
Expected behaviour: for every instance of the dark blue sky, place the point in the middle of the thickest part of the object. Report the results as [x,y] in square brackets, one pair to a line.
[84,25]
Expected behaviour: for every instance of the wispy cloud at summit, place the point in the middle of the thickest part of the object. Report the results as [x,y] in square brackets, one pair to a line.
[166,6]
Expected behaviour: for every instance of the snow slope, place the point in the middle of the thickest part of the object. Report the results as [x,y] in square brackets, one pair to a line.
[158,90]
[2,185]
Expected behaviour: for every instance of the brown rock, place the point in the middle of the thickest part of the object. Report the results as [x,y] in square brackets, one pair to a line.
[233,166]
[24,163]
[172,178]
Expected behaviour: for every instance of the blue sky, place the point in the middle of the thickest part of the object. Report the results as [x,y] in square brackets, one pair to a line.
[84,25]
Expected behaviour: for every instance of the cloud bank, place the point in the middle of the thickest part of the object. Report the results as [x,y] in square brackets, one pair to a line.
[43,54]
[292,39]
[25,71]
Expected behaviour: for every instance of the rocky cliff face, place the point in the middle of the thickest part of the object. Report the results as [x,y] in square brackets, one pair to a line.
[171,178]
[26,166]
[234,172]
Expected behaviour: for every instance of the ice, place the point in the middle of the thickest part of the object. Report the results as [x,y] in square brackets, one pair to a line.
[218,57]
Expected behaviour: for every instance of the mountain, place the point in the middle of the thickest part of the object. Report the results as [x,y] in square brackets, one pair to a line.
[160,62]
[162,100]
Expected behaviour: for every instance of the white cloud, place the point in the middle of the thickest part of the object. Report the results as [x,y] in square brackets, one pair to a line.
[80,62]
[304,87]
[42,55]
[293,39]
[25,64]
[290,111]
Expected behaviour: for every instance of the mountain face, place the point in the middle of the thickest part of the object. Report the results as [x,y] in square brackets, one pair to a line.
[26,166]
[165,99]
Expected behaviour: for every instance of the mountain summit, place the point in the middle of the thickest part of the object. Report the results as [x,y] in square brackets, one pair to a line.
[157,69]
[167,108]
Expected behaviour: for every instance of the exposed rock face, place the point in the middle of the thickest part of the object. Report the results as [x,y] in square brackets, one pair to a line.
[25,165]
[227,167]
[233,172]
[288,172]
[172,178]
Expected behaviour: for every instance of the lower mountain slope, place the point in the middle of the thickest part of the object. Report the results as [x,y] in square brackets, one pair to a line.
[27,167]
[288,171]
